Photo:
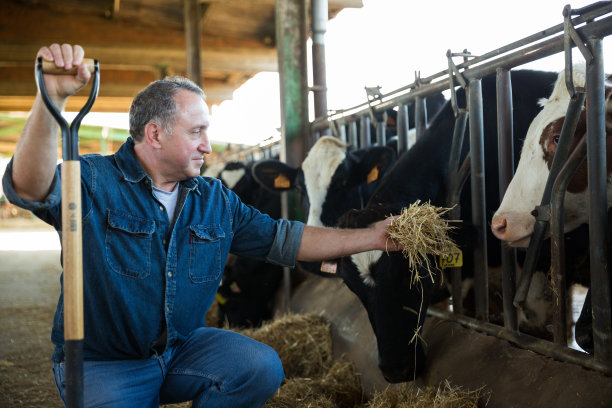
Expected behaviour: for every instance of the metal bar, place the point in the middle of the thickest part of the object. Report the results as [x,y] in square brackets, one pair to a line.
[527,342]
[381,131]
[477,179]
[556,219]
[505,155]
[455,185]
[319,12]
[365,138]
[598,216]
[403,127]
[420,117]
[353,137]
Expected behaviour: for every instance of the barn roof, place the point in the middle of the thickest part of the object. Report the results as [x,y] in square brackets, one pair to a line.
[138,41]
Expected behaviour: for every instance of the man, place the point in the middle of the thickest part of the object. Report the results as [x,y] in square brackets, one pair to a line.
[155,237]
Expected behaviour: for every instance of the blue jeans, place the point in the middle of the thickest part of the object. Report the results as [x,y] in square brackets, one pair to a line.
[213,367]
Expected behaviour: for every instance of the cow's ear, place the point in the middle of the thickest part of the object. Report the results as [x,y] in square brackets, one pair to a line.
[274,175]
[374,163]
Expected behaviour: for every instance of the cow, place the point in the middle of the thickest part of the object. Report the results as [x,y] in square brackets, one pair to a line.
[396,308]
[248,287]
[513,222]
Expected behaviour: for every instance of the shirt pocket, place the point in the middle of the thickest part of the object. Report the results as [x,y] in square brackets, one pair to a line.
[205,260]
[128,244]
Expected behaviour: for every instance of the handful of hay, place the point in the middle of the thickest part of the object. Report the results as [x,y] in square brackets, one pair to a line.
[421,231]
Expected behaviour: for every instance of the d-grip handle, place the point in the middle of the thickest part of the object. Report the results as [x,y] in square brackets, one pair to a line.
[48,67]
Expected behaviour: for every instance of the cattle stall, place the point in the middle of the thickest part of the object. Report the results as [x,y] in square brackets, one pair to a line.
[581,32]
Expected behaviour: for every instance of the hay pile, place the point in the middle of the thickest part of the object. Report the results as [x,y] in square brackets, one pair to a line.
[421,230]
[445,396]
[338,388]
[315,380]
[303,343]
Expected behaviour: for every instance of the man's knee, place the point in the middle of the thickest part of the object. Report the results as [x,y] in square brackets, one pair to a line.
[267,368]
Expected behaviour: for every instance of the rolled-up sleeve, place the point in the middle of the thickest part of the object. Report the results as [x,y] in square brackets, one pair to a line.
[52,199]
[286,243]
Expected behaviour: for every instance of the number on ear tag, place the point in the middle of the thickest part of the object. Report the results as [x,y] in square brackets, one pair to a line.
[453,259]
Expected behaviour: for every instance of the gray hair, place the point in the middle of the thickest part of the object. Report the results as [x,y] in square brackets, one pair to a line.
[156,103]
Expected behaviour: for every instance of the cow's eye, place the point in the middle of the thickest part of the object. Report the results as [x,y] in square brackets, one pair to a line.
[556,140]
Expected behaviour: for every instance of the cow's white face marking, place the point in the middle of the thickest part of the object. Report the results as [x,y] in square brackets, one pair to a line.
[363,261]
[319,166]
[527,186]
[232,177]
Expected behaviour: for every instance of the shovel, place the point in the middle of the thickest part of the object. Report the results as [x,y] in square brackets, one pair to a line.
[72,243]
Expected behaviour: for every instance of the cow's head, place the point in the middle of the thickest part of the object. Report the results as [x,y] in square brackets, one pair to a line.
[396,303]
[332,179]
[513,221]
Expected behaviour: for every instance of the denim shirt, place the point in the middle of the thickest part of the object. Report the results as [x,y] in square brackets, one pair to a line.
[141,275]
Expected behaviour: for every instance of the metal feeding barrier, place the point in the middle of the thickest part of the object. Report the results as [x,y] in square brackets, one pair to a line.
[583,29]
[72,240]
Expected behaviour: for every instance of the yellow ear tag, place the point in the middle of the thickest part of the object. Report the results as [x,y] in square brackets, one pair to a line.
[281,181]
[372,175]
[452,259]
[329,267]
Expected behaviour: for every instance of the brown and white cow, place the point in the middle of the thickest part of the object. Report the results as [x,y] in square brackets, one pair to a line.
[513,221]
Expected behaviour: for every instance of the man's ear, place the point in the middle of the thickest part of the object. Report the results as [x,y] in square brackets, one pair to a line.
[152,134]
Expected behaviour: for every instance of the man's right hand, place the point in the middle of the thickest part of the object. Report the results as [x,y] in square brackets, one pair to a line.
[60,87]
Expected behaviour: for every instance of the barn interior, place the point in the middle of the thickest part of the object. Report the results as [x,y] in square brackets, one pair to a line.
[138,41]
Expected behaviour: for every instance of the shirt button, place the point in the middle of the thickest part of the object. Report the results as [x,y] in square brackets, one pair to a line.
[164,241]
[169,274]
[161,208]
[167,308]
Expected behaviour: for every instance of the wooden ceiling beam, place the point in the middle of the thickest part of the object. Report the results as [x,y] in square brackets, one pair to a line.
[212,59]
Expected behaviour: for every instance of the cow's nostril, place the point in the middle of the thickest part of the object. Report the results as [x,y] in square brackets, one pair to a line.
[498,225]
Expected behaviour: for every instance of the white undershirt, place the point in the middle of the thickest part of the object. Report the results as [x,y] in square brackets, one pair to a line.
[168,200]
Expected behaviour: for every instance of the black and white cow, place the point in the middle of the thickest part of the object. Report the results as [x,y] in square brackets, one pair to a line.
[513,221]
[393,303]
[395,307]
[248,288]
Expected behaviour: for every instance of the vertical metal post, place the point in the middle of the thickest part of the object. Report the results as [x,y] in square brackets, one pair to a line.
[403,126]
[292,67]
[420,117]
[381,131]
[319,12]
[353,138]
[455,184]
[505,154]
[365,138]
[342,129]
[477,180]
[598,216]
[291,39]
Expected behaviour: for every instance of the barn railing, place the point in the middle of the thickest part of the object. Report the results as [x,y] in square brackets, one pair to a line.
[592,23]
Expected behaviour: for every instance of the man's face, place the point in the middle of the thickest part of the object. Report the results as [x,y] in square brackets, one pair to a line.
[185,148]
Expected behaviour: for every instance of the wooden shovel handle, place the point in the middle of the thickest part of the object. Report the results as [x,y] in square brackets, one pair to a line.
[48,67]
